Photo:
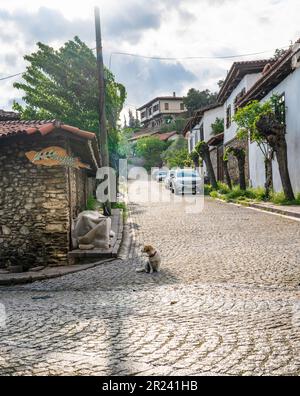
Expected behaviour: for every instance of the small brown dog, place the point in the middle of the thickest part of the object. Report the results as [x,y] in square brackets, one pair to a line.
[154,262]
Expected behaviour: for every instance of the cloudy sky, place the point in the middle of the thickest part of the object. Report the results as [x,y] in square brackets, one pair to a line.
[164,28]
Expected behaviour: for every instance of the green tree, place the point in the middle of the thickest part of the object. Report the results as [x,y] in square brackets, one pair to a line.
[134,123]
[150,149]
[202,149]
[196,99]
[240,155]
[62,84]
[279,52]
[218,126]
[263,123]
[177,125]
[176,155]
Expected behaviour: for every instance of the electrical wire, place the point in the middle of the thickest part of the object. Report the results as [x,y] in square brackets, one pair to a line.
[14,75]
[167,58]
[188,57]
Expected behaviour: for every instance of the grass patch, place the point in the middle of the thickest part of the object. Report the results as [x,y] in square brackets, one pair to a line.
[237,195]
[279,199]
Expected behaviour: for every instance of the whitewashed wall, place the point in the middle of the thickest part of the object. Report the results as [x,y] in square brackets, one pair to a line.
[247,82]
[291,87]
[209,118]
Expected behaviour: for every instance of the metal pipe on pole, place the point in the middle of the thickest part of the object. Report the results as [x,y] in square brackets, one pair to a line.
[102,113]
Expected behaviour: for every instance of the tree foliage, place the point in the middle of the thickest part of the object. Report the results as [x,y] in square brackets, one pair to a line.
[62,84]
[279,52]
[134,123]
[177,125]
[263,123]
[150,149]
[196,99]
[176,155]
[218,126]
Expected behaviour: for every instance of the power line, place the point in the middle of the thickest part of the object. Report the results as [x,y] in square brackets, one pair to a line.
[14,75]
[167,58]
[187,57]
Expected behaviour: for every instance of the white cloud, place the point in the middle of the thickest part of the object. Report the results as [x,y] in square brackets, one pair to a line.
[169,28]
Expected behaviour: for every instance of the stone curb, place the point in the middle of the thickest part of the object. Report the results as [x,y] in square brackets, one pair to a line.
[56,272]
[49,273]
[270,209]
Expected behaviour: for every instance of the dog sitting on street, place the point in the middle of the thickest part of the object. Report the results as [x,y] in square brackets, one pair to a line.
[154,260]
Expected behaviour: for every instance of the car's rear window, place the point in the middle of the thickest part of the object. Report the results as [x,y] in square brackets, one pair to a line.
[187,174]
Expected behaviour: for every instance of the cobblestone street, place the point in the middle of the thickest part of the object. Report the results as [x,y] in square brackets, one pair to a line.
[226,302]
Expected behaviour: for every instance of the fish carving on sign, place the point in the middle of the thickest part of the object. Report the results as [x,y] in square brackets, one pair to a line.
[54,156]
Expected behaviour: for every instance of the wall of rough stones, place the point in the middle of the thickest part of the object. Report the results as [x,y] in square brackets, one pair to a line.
[232,162]
[34,207]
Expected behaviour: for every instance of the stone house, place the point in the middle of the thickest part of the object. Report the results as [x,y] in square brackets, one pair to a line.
[47,172]
[283,79]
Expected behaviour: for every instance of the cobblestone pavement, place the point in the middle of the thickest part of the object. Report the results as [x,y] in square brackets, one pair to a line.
[226,302]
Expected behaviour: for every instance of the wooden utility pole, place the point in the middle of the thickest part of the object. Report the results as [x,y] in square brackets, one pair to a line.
[102,113]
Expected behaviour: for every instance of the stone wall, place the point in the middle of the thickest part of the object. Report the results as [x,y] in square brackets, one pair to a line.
[34,207]
[232,163]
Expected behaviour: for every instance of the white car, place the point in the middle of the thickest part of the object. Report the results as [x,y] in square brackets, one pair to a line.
[186,181]
[161,175]
[168,179]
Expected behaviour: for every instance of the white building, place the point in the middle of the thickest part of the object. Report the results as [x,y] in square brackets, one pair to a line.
[240,79]
[154,113]
[283,79]
[200,126]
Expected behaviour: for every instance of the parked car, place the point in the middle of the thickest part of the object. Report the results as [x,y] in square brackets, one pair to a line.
[161,175]
[168,179]
[185,181]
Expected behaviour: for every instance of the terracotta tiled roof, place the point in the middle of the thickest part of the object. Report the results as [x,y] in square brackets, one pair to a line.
[237,73]
[165,136]
[276,73]
[198,114]
[12,128]
[9,129]
[216,140]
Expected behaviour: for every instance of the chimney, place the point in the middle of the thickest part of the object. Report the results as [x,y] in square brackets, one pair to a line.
[174,94]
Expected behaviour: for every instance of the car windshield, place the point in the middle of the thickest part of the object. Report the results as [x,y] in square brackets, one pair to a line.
[162,172]
[187,174]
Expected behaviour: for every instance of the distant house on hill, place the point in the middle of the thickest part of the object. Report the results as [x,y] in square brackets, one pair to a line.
[161,109]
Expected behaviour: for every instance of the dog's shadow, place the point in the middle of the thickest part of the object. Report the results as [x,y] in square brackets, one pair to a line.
[135,226]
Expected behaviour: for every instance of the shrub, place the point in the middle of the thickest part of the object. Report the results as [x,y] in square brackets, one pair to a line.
[215,194]
[92,203]
[259,193]
[279,199]
[121,205]
[223,188]
[207,189]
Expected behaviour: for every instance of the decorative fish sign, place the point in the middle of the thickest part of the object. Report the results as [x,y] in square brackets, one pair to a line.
[54,156]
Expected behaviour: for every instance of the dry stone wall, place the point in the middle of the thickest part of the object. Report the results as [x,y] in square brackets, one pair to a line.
[34,208]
